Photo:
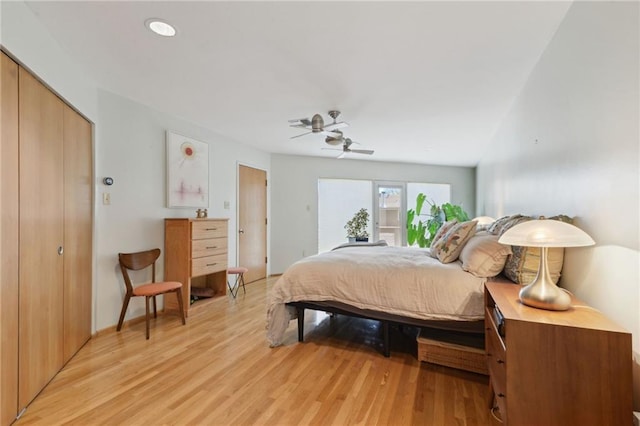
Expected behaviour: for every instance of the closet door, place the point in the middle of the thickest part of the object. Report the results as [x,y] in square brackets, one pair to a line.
[9,240]
[41,236]
[78,228]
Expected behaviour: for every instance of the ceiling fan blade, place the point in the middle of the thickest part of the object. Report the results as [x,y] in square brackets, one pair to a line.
[334,126]
[301,121]
[300,126]
[293,137]
[342,154]
[331,149]
[362,151]
[332,134]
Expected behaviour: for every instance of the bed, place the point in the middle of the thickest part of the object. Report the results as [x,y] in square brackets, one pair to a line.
[391,284]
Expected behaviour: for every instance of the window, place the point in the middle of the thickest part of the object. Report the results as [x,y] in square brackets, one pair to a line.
[340,199]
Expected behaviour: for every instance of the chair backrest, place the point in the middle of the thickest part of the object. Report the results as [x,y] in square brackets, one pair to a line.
[137,261]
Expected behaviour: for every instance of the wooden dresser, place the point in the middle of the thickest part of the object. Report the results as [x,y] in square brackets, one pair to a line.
[195,254]
[556,368]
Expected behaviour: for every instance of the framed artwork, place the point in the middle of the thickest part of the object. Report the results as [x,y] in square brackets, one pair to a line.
[187,172]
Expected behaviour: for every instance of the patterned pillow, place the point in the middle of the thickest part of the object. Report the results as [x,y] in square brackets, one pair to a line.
[448,248]
[522,265]
[483,256]
[513,221]
[494,228]
[497,226]
[444,228]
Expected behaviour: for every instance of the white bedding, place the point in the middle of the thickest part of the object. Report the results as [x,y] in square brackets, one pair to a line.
[396,280]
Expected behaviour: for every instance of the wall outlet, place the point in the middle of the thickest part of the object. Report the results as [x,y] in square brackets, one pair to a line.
[106,198]
[227,205]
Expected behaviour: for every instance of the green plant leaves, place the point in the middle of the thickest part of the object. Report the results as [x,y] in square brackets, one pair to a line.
[420,199]
[357,226]
[422,233]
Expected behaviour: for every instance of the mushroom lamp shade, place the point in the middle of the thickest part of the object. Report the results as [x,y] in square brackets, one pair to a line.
[544,233]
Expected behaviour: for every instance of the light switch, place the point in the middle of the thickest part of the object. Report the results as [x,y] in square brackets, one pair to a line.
[106,198]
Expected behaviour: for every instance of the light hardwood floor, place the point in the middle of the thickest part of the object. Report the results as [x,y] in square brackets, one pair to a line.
[219,370]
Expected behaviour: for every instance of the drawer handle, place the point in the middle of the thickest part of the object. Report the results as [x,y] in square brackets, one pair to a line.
[500,395]
[212,229]
[211,264]
[212,247]
[500,361]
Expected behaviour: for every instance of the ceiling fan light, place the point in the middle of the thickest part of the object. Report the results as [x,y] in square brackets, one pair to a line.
[160,27]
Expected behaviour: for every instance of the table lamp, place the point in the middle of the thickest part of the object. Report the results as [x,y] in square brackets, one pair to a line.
[544,233]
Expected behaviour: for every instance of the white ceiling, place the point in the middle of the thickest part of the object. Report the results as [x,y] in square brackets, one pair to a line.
[420,82]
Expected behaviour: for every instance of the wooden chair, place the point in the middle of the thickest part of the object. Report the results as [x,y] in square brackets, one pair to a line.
[136,262]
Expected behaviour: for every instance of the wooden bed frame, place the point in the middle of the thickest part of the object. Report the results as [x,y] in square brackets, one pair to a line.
[475,327]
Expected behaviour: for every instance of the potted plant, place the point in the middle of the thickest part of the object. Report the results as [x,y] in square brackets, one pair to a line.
[357,226]
[422,233]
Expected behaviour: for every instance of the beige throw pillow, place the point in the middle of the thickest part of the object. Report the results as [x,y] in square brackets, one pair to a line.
[448,248]
[483,256]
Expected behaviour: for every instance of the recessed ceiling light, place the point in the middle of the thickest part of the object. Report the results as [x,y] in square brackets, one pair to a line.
[160,27]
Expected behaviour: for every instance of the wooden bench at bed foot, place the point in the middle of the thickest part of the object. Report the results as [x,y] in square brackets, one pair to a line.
[463,351]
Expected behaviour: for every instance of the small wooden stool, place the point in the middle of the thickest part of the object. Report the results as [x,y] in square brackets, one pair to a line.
[239,272]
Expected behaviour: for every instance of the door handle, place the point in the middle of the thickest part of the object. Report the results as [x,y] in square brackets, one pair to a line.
[60,250]
[240,231]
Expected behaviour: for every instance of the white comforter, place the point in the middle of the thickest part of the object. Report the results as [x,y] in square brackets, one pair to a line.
[397,280]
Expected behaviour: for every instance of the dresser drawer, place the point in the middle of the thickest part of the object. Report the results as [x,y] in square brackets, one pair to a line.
[209,247]
[208,265]
[205,229]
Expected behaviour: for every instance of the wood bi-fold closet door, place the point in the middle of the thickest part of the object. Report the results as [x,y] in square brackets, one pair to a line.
[45,236]
[41,237]
[9,240]
[78,231]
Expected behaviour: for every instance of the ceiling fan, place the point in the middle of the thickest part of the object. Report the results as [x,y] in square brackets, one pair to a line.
[346,146]
[316,125]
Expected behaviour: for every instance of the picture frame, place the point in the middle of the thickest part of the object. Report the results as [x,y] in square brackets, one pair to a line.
[187,172]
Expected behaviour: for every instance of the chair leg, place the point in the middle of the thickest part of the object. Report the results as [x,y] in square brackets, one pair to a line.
[181,305]
[155,311]
[146,305]
[242,280]
[235,287]
[125,304]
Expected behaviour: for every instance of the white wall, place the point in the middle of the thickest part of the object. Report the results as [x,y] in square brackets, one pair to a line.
[129,145]
[132,151]
[22,35]
[294,196]
[570,145]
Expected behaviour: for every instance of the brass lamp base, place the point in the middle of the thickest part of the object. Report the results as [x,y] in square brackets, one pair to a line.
[542,293]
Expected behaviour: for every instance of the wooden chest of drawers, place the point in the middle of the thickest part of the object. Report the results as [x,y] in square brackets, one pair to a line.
[556,368]
[195,254]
